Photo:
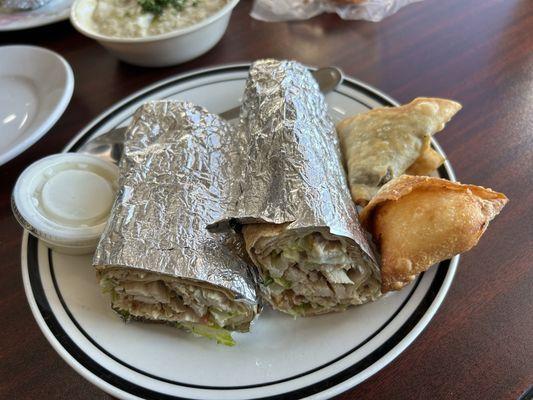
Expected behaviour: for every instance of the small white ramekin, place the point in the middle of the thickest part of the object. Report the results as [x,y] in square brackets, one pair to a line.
[30,208]
[167,49]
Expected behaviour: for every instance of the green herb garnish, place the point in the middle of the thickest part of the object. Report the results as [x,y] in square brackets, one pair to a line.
[157,7]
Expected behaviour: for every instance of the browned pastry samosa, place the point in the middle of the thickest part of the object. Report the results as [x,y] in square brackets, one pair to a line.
[428,161]
[384,143]
[418,221]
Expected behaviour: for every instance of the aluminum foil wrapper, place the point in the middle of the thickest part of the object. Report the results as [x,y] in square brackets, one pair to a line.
[170,186]
[290,167]
[23,4]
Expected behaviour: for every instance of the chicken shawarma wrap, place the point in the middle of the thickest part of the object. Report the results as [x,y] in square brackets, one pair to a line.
[291,199]
[155,258]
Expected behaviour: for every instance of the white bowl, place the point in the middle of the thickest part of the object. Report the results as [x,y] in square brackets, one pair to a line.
[36,85]
[171,48]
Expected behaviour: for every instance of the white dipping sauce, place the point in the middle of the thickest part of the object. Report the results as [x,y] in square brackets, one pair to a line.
[65,200]
[77,197]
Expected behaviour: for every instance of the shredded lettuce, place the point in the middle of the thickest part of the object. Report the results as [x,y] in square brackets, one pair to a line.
[107,285]
[220,316]
[125,315]
[308,251]
[283,282]
[292,252]
[299,311]
[213,332]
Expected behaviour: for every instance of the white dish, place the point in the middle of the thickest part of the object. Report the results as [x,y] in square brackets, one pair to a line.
[55,11]
[284,357]
[171,48]
[37,85]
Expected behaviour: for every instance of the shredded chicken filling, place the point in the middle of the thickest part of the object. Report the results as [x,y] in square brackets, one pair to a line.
[163,298]
[312,274]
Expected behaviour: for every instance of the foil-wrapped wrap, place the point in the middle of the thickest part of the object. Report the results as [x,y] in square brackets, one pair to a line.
[23,4]
[170,186]
[290,192]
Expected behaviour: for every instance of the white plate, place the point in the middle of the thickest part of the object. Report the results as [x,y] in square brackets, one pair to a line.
[55,11]
[282,357]
[36,86]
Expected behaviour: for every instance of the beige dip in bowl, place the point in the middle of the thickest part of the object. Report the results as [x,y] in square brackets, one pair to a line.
[172,36]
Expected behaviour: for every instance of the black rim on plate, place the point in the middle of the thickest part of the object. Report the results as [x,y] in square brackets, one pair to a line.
[129,387]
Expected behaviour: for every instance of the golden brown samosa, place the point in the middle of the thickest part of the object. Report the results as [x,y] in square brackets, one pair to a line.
[384,143]
[418,221]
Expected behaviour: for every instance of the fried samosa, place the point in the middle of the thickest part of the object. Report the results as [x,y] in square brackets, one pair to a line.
[384,143]
[419,221]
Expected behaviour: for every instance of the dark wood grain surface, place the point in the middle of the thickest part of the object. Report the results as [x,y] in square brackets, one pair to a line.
[480,343]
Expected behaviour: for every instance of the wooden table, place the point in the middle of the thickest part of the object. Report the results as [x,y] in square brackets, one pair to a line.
[480,343]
